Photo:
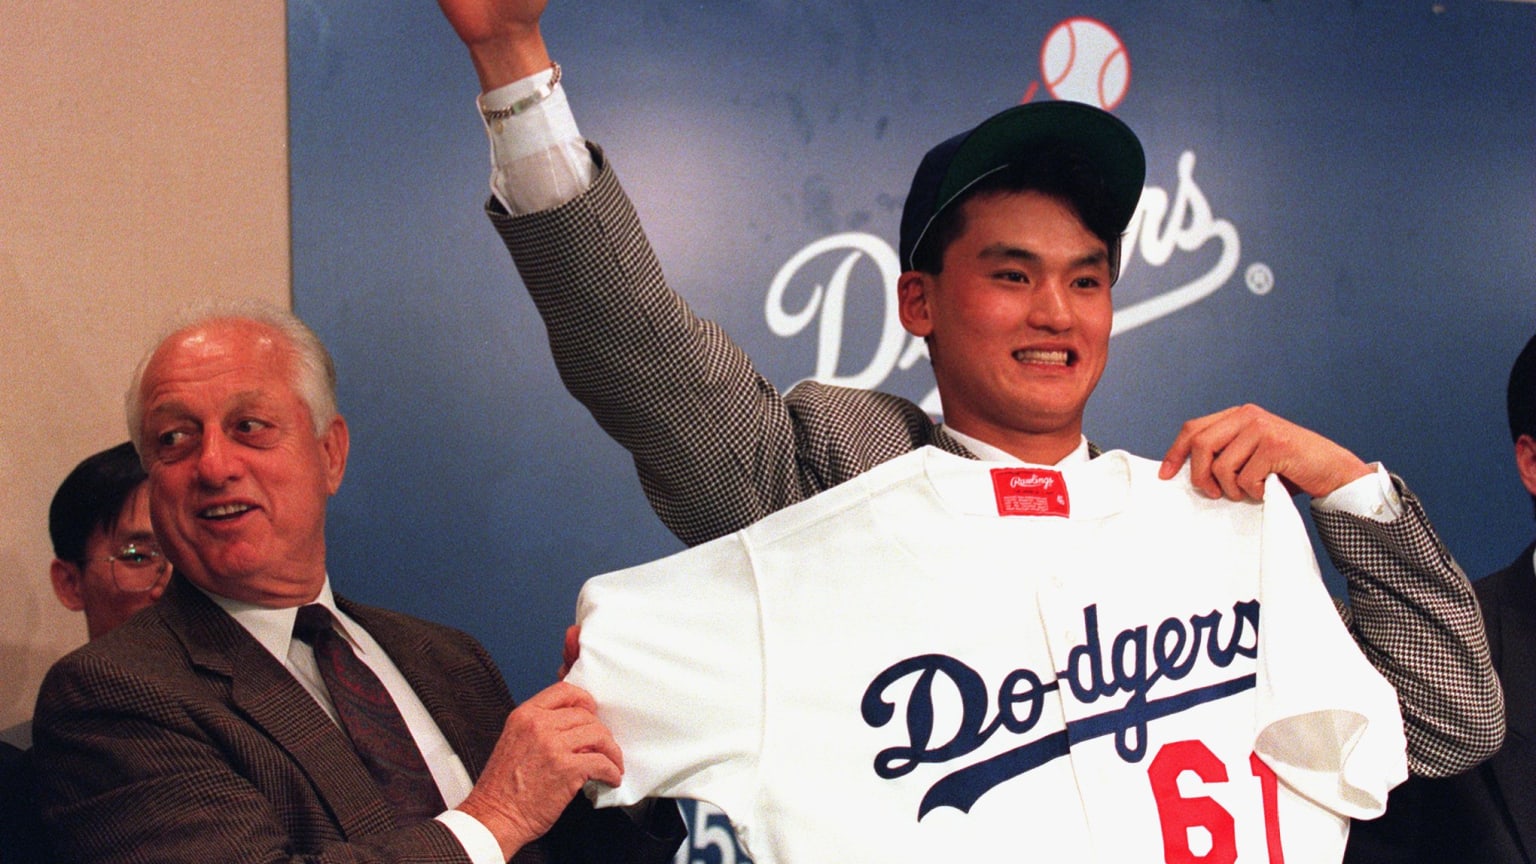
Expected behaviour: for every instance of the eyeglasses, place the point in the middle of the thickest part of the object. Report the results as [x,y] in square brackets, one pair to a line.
[137,567]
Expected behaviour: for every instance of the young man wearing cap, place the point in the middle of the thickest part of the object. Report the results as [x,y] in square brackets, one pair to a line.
[1011,240]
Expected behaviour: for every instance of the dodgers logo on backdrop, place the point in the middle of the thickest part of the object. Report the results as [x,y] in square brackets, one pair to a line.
[1083,60]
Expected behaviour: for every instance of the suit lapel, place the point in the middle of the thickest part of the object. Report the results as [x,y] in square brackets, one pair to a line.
[274,701]
[468,707]
[414,653]
[1514,766]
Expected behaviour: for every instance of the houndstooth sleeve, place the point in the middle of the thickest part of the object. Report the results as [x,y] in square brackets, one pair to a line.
[715,445]
[1414,616]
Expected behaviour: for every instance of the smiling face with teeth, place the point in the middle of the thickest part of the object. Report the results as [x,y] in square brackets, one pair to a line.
[238,476]
[1017,322]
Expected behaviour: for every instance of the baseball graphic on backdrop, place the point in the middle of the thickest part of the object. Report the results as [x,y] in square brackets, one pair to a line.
[1085,61]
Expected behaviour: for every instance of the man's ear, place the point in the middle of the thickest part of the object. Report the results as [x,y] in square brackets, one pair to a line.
[67,579]
[913,289]
[1525,461]
[334,445]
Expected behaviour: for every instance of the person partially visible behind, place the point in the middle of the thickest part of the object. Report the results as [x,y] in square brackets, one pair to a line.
[106,564]
[1486,815]
[106,561]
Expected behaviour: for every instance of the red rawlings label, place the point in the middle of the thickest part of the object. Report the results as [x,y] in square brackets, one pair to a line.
[1030,492]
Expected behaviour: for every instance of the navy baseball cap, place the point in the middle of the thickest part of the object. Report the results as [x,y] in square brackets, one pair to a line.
[1009,137]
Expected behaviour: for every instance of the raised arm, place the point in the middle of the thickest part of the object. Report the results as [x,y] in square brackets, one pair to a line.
[715,445]
[502,36]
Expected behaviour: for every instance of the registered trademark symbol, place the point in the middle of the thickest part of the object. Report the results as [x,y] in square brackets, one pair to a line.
[1261,279]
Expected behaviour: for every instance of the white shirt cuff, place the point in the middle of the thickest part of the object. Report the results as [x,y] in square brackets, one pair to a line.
[1370,497]
[478,841]
[538,157]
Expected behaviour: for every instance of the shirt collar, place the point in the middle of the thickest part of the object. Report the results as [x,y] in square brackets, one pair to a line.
[988,453]
[273,628]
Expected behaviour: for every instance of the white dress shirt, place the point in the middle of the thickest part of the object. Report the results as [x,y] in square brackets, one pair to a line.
[273,628]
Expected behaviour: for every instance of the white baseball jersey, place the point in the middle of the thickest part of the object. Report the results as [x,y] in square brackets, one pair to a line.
[952,660]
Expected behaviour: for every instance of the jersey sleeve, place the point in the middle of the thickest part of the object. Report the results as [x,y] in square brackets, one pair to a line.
[671,652]
[1328,723]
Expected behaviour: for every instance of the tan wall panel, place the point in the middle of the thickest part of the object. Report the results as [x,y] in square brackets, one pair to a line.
[144,166]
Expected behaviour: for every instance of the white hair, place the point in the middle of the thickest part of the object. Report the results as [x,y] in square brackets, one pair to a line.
[314,373]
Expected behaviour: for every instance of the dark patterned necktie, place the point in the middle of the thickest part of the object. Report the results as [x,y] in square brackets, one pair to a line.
[371,720]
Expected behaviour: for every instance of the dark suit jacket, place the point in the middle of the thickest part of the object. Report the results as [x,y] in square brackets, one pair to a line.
[717,448]
[177,737]
[1488,814]
[20,840]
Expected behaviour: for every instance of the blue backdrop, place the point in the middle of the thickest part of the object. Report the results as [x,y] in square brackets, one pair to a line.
[1348,239]
[1366,173]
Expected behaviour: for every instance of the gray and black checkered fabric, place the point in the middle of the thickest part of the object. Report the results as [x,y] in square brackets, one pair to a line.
[1413,614]
[717,448]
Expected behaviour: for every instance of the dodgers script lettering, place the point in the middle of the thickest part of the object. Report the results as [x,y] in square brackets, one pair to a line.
[1132,664]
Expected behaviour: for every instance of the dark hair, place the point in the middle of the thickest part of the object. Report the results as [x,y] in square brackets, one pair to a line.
[1520,398]
[92,497]
[1057,170]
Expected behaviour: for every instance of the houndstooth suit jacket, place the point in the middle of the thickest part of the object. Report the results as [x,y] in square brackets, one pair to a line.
[1488,814]
[717,447]
[178,738]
